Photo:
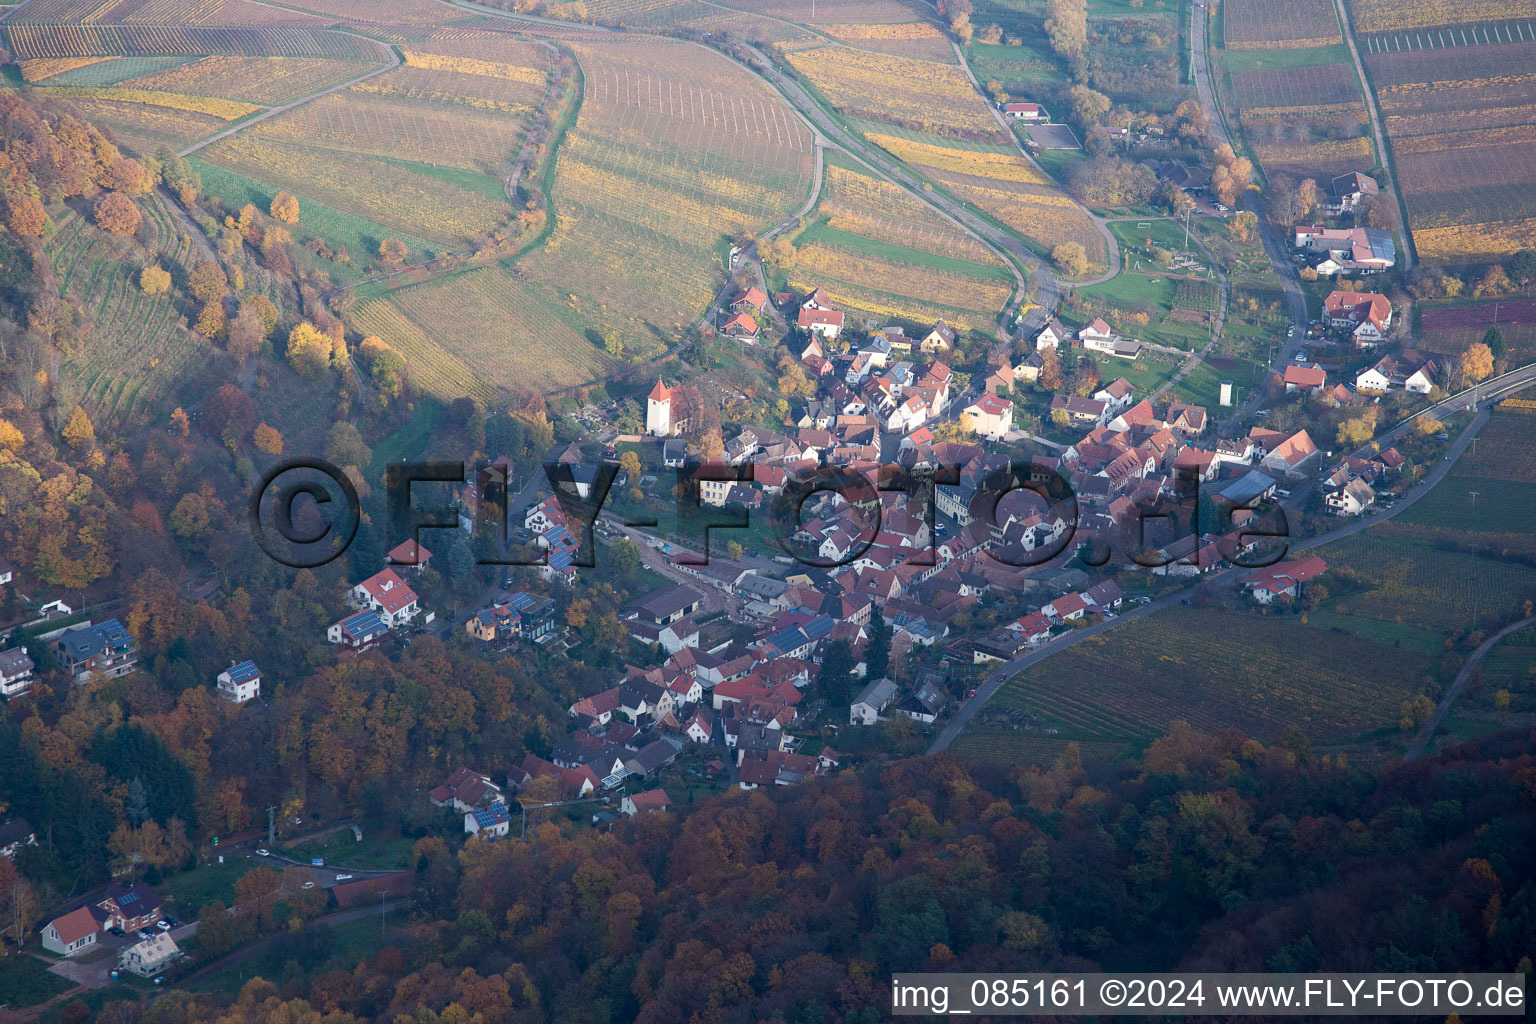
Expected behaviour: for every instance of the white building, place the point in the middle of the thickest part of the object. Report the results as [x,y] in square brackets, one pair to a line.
[871,701]
[149,957]
[488,822]
[387,595]
[658,411]
[240,682]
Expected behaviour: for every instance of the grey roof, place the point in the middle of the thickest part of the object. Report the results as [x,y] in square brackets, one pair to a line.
[15,662]
[14,831]
[877,693]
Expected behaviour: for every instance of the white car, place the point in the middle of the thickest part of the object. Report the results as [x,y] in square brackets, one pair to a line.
[343,878]
[263,852]
[164,926]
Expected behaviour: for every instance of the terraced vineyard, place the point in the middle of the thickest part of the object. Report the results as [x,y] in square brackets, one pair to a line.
[138,360]
[29,42]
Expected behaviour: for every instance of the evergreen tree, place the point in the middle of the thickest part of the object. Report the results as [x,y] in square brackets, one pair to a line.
[835,680]
[877,656]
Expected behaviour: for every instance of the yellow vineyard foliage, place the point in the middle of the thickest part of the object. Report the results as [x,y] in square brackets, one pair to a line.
[1313,154]
[878,209]
[225,110]
[1401,125]
[431,366]
[837,264]
[1503,136]
[389,195]
[1003,166]
[1324,110]
[1285,44]
[47,67]
[1470,243]
[1390,92]
[919,94]
[1048,219]
[267,80]
[670,212]
[1387,15]
[378,87]
[471,66]
[908,30]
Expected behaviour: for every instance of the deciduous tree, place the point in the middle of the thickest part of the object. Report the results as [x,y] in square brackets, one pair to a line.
[78,431]
[393,251]
[268,439]
[26,216]
[116,214]
[1476,363]
[1066,26]
[154,280]
[285,207]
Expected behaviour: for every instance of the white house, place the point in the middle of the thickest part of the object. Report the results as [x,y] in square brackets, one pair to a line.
[488,822]
[871,701]
[1053,335]
[71,933]
[1097,336]
[240,682]
[388,596]
[827,323]
[15,672]
[149,957]
[650,801]
[989,416]
[1351,499]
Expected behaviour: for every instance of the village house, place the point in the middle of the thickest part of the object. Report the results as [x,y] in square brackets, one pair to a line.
[129,907]
[871,702]
[16,670]
[107,648]
[825,323]
[71,933]
[1351,499]
[1350,190]
[465,790]
[989,416]
[357,631]
[940,338]
[1282,582]
[488,822]
[1052,336]
[150,956]
[240,682]
[1305,378]
[648,802]
[1366,315]
[387,595]
[408,555]
[1408,371]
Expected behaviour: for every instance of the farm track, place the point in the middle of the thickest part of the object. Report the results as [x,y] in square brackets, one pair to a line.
[1383,150]
[1443,709]
[395,61]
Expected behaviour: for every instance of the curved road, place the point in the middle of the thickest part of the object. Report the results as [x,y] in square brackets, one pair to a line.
[1230,576]
[1417,750]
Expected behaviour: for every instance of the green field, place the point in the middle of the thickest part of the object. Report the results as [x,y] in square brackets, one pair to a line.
[206,883]
[1154,295]
[26,981]
[335,227]
[823,232]
[1278,60]
[340,849]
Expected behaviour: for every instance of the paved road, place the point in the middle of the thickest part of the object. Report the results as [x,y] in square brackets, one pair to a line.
[1274,245]
[1417,750]
[1220,579]
[1383,154]
[1047,288]
[1111,243]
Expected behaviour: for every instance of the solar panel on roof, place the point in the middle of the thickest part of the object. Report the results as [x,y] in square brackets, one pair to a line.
[127,898]
[363,623]
[244,672]
[113,633]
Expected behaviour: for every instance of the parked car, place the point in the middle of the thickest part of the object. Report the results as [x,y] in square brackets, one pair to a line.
[343,877]
[173,922]
[307,885]
[163,925]
[114,930]
[145,933]
[262,851]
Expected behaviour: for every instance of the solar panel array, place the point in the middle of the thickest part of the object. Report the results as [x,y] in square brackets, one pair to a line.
[364,623]
[115,636]
[243,672]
